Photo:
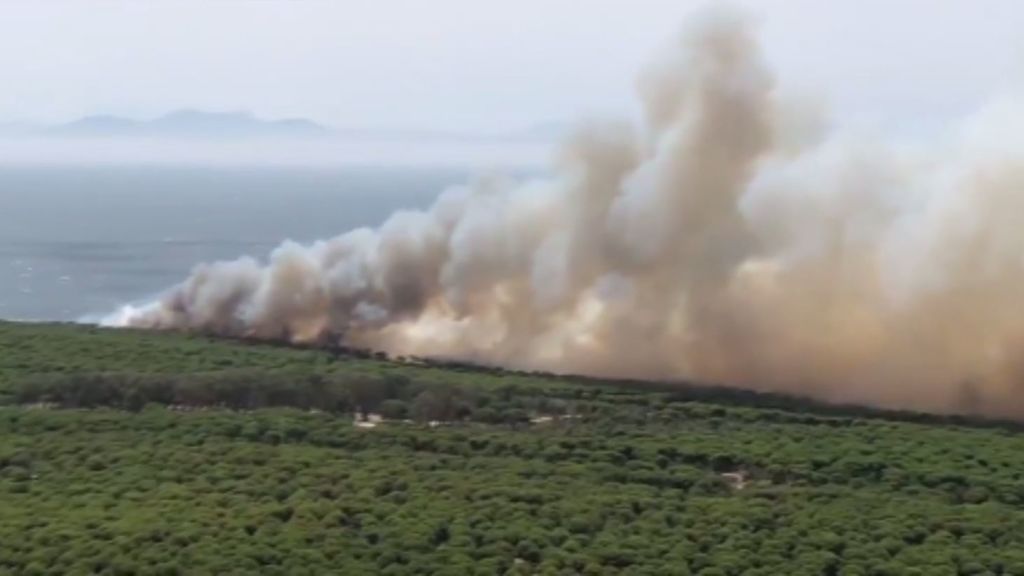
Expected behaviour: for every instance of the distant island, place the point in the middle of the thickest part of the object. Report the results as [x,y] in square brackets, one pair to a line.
[190,124]
[207,125]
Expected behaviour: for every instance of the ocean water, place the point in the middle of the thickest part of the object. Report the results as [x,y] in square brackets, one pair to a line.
[76,243]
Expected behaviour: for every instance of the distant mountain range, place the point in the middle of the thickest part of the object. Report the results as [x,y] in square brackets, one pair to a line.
[197,124]
[190,124]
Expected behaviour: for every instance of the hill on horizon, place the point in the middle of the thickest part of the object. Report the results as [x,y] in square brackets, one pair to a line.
[188,123]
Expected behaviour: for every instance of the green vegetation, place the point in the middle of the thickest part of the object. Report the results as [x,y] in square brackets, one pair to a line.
[145,453]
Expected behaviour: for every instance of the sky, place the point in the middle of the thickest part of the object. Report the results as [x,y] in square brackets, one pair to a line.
[493,66]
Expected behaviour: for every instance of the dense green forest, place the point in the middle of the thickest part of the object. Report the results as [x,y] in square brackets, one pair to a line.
[126,452]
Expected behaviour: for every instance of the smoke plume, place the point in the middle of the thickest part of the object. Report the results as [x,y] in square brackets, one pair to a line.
[731,238]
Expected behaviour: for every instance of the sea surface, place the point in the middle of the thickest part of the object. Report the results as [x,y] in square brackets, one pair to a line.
[77,243]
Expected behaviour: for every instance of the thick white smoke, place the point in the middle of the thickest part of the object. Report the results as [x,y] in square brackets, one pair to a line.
[726,240]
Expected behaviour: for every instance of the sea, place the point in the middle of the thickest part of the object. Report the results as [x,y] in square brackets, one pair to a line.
[76,243]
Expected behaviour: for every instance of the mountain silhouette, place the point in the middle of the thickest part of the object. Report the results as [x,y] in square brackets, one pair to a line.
[190,124]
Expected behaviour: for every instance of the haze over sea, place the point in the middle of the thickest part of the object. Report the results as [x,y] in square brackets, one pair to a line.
[77,242]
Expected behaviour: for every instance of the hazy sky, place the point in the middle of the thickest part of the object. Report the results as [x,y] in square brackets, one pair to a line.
[480,65]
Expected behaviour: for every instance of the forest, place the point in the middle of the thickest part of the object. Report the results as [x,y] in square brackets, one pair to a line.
[129,452]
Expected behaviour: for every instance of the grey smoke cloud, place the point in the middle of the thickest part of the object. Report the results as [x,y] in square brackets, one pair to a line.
[731,238]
